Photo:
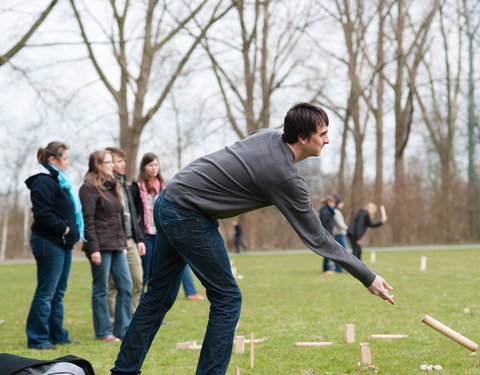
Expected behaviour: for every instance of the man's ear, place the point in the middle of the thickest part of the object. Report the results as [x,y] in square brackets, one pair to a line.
[302,141]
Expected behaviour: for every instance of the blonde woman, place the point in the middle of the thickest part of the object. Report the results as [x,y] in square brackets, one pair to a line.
[359,224]
[105,241]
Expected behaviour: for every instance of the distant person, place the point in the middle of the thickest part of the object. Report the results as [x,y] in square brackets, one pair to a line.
[358,226]
[57,226]
[145,190]
[135,236]
[238,237]
[101,197]
[326,217]
[256,172]
[339,227]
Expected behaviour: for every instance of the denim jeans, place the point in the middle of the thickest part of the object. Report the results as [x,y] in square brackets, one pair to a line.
[147,258]
[45,319]
[187,281]
[185,237]
[114,262]
[342,240]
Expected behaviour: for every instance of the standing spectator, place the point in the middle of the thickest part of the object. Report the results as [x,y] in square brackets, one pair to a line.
[135,236]
[326,217]
[101,197]
[238,239]
[145,190]
[57,225]
[339,227]
[358,226]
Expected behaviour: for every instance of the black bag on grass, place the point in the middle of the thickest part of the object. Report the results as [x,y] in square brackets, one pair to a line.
[68,365]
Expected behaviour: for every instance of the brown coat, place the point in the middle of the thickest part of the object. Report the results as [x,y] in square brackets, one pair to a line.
[103,219]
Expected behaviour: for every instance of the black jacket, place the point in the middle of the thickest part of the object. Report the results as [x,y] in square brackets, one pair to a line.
[326,217]
[360,223]
[52,208]
[137,232]
[137,200]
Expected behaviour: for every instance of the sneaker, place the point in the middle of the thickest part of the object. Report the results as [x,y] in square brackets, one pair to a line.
[195,296]
[109,338]
[44,346]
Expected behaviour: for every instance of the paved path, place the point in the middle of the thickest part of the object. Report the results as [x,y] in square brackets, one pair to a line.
[306,251]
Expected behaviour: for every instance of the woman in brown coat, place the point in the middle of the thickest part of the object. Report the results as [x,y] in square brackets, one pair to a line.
[105,241]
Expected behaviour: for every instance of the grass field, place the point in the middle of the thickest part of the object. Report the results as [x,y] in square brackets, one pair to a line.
[287,299]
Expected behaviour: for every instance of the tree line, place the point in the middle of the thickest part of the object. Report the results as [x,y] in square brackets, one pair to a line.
[397,76]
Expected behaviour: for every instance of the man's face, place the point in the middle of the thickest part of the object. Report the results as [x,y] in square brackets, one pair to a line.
[119,164]
[314,145]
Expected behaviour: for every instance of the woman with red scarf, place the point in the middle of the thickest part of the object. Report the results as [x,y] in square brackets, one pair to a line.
[144,191]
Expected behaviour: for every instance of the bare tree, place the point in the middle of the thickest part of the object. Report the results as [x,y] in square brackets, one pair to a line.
[409,54]
[439,106]
[132,88]
[12,51]
[265,44]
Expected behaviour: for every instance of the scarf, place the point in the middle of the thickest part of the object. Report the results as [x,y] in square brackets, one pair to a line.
[147,201]
[66,183]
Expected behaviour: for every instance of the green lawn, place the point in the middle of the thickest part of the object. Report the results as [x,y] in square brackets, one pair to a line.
[287,299]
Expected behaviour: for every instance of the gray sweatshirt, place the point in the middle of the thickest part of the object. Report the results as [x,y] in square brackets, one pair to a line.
[256,172]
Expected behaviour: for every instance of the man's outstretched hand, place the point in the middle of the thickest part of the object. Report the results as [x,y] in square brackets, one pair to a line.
[380,288]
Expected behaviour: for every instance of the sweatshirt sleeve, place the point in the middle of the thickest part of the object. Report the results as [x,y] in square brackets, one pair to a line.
[42,193]
[89,203]
[292,199]
[339,220]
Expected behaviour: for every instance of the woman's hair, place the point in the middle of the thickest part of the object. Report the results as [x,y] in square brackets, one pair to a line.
[328,199]
[94,178]
[142,176]
[55,149]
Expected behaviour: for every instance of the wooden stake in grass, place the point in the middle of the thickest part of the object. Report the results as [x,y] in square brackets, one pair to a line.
[349,333]
[450,333]
[237,370]
[239,344]
[252,352]
[423,263]
[365,353]
[372,257]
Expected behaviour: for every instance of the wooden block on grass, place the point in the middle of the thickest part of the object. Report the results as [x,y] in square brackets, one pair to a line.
[313,343]
[239,344]
[185,345]
[349,333]
[365,355]
[387,336]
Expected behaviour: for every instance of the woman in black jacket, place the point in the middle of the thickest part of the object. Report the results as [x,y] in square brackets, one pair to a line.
[101,198]
[358,226]
[57,225]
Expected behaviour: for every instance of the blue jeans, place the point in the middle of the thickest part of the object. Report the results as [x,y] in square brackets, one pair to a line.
[147,258]
[45,319]
[114,262]
[188,285]
[342,240]
[187,281]
[185,237]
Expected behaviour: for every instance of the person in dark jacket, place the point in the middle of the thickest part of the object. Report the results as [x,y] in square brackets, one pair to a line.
[326,217]
[57,225]
[358,226]
[135,236]
[101,198]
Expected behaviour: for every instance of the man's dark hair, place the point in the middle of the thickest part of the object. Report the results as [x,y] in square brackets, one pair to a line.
[117,151]
[302,121]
